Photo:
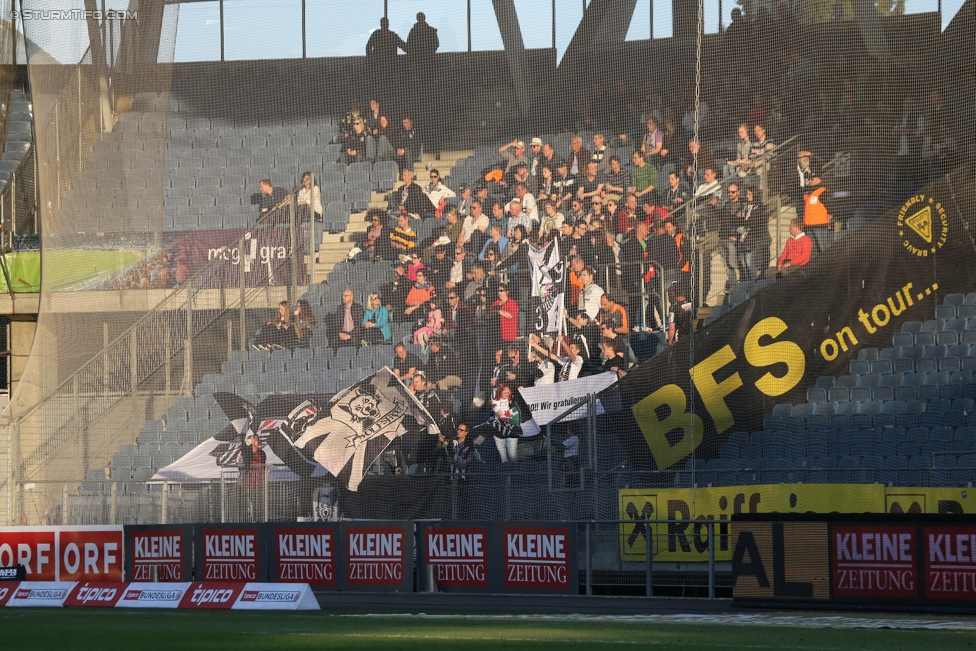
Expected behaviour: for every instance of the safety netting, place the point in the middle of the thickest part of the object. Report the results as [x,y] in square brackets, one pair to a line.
[608,261]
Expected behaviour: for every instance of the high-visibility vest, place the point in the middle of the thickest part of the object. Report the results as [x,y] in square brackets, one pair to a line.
[814,212]
[683,265]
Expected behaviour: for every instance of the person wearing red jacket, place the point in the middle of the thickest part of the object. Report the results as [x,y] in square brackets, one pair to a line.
[795,254]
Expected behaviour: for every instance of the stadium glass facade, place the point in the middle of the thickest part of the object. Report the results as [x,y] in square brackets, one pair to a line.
[657,260]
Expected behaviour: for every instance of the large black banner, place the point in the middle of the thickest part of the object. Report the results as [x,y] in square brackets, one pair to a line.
[772,348]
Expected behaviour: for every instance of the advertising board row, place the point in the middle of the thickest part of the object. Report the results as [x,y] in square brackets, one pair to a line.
[367,555]
[686,539]
[209,596]
[883,559]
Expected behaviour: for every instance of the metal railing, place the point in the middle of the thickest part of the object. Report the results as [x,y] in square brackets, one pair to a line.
[691,217]
[154,359]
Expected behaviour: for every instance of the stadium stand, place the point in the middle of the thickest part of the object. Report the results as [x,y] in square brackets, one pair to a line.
[902,415]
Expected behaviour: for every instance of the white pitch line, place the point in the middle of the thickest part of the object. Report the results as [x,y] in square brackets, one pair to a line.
[757,619]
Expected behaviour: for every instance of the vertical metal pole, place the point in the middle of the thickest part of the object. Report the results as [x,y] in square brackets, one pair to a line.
[549,453]
[13,203]
[313,237]
[508,496]
[168,353]
[230,338]
[15,465]
[81,124]
[779,226]
[711,558]
[57,152]
[113,507]
[163,517]
[105,342]
[188,350]
[133,361]
[265,493]
[293,229]
[454,496]
[223,500]
[649,559]
[64,503]
[589,564]
[242,280]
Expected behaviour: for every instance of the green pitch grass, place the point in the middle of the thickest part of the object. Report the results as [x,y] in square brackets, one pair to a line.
[63,268]
[108,630]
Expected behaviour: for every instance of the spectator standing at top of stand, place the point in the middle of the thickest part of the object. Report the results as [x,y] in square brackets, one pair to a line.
[422,43]
[381,56]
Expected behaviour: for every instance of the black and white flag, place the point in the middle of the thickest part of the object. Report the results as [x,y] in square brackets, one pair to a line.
[344,436]
[548,287]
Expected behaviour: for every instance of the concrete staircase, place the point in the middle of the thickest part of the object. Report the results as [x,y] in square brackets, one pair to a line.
[336,246]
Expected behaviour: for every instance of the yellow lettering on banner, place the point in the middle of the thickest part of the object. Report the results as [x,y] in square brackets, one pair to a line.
[678,543]
[713,393]
[655,430]
[785,352]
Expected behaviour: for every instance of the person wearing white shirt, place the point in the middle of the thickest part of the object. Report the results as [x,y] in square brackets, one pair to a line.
[474,227]
[711,187]
[518,217]
[310,196]
[529,204]
[437,191]
[590,293]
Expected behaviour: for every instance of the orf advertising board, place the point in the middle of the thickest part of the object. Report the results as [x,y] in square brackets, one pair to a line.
[230,552]
[379,556]
[459,554]
[163,550]
[539,557]
[874,562]
[64,553]
[306,553]
[950,562]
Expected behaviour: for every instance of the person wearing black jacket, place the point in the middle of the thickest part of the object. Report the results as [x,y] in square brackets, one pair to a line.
[357,143]
[730,214]
[754,240]
[347,322]
[439,268]
[394,293]
[443,368]
[635,253]
[406,144]
[410,196]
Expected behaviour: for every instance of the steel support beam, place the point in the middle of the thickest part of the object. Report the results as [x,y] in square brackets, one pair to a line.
[508,25]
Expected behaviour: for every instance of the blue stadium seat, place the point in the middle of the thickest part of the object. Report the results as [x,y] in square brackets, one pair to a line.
[902,339]
[838,394]
[868,354]
[860,394]
[883,393]
[881,367]
[826,382]
[738,438]
[816,421]
[945,312]
[860,367]
[924,338]
[815,395]
[847,381]
[908,448]
[954,299]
